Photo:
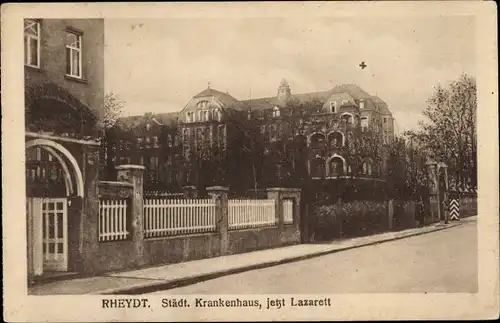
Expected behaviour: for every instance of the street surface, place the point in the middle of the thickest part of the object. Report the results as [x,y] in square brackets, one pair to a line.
[443,261]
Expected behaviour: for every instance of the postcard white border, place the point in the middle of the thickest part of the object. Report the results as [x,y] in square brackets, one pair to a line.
[19,307]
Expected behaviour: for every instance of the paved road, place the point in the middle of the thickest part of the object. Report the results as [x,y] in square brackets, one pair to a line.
[443,261]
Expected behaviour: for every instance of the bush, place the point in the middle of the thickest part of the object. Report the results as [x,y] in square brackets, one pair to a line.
[350,219]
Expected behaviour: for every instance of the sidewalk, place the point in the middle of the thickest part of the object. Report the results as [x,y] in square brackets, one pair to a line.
[181,274]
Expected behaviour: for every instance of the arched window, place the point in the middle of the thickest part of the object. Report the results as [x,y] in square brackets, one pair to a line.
[276,112]
[218,114]
[207,115]
[336,166]
[318,166]
[335,139]
[317,141]
[348,118]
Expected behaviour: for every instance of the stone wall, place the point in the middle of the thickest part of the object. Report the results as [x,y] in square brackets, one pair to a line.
[139,252]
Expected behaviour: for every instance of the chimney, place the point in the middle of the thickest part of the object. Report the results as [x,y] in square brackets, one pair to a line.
[361,104]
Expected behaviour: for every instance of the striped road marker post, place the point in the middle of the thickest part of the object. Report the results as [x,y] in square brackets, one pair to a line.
[455,209]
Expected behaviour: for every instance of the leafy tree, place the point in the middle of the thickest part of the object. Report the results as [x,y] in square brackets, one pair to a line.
[450,133]
[113,108]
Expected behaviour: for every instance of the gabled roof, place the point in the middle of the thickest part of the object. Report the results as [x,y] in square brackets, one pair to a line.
[168,118]
[225,98]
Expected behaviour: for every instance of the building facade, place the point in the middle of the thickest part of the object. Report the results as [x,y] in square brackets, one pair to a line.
[279,140]
[64,97]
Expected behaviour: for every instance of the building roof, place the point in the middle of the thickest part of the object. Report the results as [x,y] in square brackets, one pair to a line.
[344,91]
[270,102]
[382,106]
[168,118]
[353,90]
[225,98]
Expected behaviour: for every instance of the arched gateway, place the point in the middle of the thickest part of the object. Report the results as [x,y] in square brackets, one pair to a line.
[53,177]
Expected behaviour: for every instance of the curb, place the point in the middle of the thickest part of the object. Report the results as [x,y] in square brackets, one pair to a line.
[181,282]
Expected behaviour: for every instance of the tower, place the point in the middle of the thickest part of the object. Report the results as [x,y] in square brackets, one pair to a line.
[284,92]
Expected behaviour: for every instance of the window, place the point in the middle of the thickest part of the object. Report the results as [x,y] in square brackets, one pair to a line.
[333,107]
[364,123]
[74,54]
[276,112]
[155,142]
[32,43]
[385,120]
[336,166]
[207,115]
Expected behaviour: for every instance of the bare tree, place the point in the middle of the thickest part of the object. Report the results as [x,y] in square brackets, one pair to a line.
[450,133]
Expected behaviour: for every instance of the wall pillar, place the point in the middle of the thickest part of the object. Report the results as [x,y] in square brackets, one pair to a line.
[390,214]
[442,167]
[279,195]
[87,213]
[134,174]
[219,195]
[275,194]
[433,192]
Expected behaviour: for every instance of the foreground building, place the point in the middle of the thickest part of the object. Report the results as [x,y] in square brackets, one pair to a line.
[281,140]
[64,82]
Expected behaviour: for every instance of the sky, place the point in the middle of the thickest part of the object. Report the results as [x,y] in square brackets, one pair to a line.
[158,65]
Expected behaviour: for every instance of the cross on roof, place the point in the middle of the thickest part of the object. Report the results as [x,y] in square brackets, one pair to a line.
[362,65]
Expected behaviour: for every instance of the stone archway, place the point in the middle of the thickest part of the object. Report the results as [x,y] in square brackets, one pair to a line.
[60,151]
[47,214]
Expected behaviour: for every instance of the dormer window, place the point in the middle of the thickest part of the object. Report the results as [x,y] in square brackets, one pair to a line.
[276,112]
[333,107]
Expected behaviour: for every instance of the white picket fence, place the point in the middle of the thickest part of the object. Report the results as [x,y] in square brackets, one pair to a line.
[113,220]
[166,217]
[288,211]
[251,213]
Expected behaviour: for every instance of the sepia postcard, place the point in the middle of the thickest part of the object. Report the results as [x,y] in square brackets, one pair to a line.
[250,161]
